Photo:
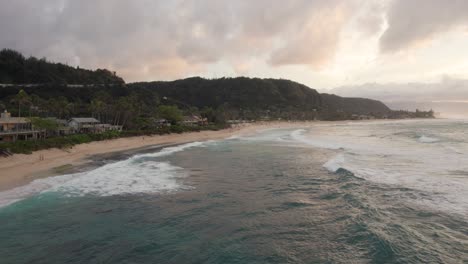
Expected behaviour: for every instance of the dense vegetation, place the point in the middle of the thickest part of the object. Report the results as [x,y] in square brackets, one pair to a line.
[237,93]
[339,108]
[16,69]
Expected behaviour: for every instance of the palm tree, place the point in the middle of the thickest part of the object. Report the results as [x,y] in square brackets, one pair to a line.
[2,106]
[21,98]
[97,107]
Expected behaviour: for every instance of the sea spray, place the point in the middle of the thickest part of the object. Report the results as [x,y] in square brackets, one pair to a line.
[334,164]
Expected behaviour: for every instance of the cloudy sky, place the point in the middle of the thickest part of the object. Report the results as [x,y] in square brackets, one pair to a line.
[321,43]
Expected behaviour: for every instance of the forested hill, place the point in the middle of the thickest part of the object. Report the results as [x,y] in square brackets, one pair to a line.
[241,92]
[275,96]
[354,105]
[16,69]
[63,91]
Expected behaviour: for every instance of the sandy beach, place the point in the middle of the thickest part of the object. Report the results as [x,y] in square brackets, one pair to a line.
[21,169]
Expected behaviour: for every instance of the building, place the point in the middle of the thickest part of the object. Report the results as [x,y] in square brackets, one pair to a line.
[194,121]
[162,123]
[239,121]
[89,125]
[100,128]
[17,128]
[62,127]
[83,125]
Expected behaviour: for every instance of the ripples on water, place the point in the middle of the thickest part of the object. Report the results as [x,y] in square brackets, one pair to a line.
[262,199]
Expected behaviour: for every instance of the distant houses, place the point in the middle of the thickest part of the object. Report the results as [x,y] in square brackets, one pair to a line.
[62,129]
[90,125]
[363,117]
[194,120]
[32,128]
[83,125]
[21,128]
[159,123]
[101,128]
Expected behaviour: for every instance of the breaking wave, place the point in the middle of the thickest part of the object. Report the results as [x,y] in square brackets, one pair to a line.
[139,174]
[334,164]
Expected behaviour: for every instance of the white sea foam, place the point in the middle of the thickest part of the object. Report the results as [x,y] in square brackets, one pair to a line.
[426,139]
[170,150]
[336,163]
[268,135]
[125,178]
[390,155]
[233,137]
[139,174]
[387,152]
[299,135]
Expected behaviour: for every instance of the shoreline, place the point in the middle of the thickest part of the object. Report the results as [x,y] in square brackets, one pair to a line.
[21,169]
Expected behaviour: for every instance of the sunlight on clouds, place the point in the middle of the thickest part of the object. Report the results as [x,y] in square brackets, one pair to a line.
[320,43]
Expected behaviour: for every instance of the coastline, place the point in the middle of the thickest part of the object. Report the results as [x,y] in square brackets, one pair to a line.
[21,169]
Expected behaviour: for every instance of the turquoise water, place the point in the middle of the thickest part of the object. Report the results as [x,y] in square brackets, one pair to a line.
[332,193]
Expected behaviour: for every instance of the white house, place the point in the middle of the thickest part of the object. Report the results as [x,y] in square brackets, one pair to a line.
[83,124]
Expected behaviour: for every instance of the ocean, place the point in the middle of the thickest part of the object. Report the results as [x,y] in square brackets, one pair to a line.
[338,192]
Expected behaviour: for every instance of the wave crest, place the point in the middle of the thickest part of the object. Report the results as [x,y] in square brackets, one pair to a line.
[139,174]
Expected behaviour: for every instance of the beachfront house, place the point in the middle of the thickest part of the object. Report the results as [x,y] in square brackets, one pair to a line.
[162,123]
[83,125]
[100,128]
[194,121]
[17,128]
[62,128]
[86,125]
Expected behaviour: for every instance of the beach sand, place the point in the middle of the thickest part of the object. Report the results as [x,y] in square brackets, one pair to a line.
[21,169]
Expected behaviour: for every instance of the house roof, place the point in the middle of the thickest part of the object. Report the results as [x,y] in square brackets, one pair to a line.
[85,120]
[192,118]
[14,120]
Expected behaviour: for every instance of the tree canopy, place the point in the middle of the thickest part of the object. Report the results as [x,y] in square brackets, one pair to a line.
[170,112]
[16,69]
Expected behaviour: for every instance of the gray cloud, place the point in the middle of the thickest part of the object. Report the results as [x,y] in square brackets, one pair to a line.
[316,41]
[159,39]
[411,22]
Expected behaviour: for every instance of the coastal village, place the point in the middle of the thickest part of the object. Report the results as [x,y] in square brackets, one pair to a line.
[13,129]
[21,128]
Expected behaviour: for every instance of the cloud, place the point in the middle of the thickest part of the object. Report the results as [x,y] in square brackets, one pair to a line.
[413,22]
[161,40]
[316,42]
[158,39]
[370,17]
